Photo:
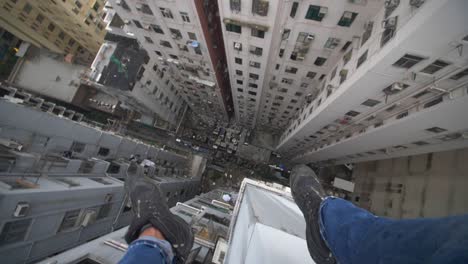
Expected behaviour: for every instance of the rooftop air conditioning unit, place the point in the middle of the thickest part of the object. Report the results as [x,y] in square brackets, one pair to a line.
[310,37]
[88,218]
[118,2]
[126,22]
[138,6]
[323,11]
[21,209]
[237,46]
[348,15]
[389,22]
[175,36]
[147,27]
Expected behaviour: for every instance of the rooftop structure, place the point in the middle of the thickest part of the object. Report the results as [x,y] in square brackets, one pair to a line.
[266,226]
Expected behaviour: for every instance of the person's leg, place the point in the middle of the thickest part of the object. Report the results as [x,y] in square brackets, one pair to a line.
[356,236]
[150,212]
[151,247]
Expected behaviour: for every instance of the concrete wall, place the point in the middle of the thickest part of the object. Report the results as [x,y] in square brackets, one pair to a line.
[46,73]
[427,185]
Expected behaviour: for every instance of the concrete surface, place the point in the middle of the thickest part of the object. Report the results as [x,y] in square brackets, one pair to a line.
[428,185]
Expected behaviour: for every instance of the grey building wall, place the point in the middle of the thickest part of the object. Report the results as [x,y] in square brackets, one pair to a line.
[60,190]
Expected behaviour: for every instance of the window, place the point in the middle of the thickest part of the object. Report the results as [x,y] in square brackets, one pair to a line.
[254,64]
[40,18]
[287,81]
[347,19]
[436,130]
[233,28]
[311,75]
[252,93]
[290,69]
[346,46]
[332,43]
[70,220]
[235,5]
[239,72]
[320,61]
[148,39]
[371,102]
[281,53]
[283,90]
[256,50]
[294,7]
[316,13]
[166,12]
[68,182]
[285,34]
[239,82]
[158,53]
[77,147]
[352,113]
[460,75]
[362,59]
[192,35]
[240,90]
[157,29]
[257,33]
[253,85]
[420,94]
[298,94]
[175,33]
[260,7]
[137,23]
[51,27]
[238,60]
[71,42]
[254,76]
[407,61]
[145,9]
[61,35]
[185,17]
[104,211]
[165,43]
[103,151]
[14,231]
[435,66]
[27,8]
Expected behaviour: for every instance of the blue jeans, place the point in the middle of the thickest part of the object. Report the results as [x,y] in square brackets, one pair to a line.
[356,236]
[148,250]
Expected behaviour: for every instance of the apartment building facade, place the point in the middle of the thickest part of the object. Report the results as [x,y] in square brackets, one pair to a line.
[62,181]
[74,28]
[278,51]
[400,91]
[208,215]
[184,55]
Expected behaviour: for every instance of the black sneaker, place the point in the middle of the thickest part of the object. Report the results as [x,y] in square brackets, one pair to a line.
[150,208]
[308,195]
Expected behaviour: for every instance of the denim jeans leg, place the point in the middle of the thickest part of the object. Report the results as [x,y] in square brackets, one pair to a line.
[356,236]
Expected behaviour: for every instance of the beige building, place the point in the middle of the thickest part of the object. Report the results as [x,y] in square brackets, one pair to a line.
[66,27]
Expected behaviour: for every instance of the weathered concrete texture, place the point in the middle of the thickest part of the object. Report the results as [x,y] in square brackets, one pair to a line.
[428,185]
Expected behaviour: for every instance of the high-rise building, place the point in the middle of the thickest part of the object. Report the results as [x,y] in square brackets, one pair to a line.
[400,90]
[184,56]
[279,51]
[66,27]
[62,180]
